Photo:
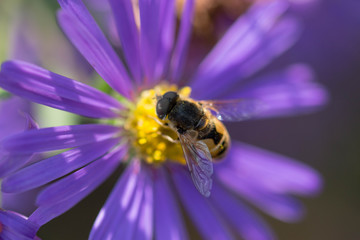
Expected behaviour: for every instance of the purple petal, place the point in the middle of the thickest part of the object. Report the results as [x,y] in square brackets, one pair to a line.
[290,92]
[182,42]
[167,212]
[129,35]
[277,205]
[124,199]
[279,39]
[272,171]
[125,223]
[252,35]
[17,223]
[10,162]
[30,122]
[156,36]
[47,170]
[82,179]
[261,16]
[85,34]
[246,222]
[87,183]
[198,207]
[23,203]
[44,87]
[14,116]
[145,223]
[9,234]
[15,119]
[264,179]
[54,138]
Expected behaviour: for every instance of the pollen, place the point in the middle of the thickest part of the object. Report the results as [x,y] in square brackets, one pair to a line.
[152,140]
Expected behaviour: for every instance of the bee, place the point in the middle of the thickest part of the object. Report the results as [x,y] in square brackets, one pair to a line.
[203,137]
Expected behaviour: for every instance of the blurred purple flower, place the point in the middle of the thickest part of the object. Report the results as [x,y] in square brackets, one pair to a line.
[16,112]
[15,226]
[14,118]
[144,203]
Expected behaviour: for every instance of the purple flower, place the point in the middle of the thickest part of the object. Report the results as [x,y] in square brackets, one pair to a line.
[14,118]
[144,203]
[16,226]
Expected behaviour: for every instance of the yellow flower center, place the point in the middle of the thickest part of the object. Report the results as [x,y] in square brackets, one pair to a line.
[152,141]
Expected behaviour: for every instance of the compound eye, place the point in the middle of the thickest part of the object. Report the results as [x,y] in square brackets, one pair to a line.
[165,104]
[171,96]
[162,108]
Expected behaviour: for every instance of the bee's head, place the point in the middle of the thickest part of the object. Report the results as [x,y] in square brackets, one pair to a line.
[165,103]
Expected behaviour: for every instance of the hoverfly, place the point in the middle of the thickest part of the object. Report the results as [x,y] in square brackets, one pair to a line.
[202,135]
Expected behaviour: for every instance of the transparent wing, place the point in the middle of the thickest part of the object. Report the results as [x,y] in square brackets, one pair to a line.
[198,159]
[233,110]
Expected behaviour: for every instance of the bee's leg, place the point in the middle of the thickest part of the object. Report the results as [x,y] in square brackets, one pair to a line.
[159,122]
[169,138]
[165,125]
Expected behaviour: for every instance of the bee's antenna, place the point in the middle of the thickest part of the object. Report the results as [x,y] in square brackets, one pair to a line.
[157,97]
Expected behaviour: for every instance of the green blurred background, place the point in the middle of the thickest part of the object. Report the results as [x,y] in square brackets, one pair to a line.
[328,140]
